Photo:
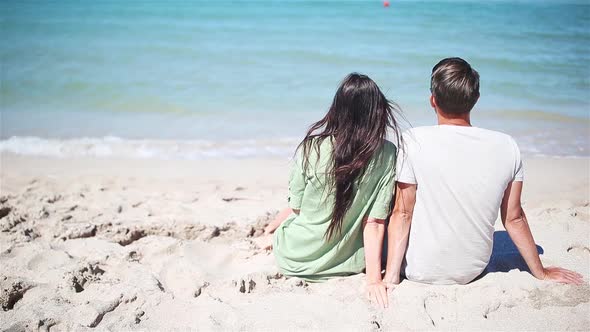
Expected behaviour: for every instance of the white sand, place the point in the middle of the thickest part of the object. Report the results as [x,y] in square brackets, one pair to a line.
[160,245]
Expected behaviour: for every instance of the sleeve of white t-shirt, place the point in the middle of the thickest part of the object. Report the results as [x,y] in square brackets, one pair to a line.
[404,172]
[518,167]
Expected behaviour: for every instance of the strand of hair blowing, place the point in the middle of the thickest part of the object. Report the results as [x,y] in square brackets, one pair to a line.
[357,123]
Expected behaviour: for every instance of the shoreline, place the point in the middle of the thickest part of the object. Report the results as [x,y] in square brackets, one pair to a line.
[165,244]
[551,142]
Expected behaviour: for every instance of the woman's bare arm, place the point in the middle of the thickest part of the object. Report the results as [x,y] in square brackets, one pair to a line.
[278,220]
[373,231]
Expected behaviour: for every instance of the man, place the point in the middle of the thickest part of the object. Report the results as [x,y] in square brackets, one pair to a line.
[452,181]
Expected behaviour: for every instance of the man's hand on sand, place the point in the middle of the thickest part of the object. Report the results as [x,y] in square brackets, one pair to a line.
[561,275]
[377,294]
[390,282]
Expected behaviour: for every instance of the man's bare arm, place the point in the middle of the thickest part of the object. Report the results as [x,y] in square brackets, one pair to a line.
[398,230]
[516,224]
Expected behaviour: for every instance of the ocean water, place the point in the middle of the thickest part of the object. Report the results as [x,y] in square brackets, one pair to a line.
[199,79]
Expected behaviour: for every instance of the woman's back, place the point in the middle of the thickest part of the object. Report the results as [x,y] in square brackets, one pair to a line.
[300,243]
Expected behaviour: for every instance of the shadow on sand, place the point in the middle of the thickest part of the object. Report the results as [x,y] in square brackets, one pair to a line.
[505,255]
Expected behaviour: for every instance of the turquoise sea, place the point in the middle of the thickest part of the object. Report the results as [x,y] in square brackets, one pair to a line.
[194,79]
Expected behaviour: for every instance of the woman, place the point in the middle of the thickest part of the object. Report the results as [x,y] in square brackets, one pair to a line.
[340,190]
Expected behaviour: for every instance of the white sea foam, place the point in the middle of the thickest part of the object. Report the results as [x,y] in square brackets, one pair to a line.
[115,147]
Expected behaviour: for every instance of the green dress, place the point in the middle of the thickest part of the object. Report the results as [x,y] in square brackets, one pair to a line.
[299,244]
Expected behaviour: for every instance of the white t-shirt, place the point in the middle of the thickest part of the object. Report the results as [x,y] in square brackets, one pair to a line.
[461,174]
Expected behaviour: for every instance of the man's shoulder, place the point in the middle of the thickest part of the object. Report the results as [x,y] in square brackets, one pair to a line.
[498,137]
[437,138]
[419,132]
[495,133]
[434,131]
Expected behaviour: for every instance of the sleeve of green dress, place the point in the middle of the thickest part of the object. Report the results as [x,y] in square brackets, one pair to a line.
[382,205]
[297,182]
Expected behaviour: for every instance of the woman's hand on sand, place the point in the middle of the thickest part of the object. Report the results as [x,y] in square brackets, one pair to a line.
[561,275]
[268,230]
[278,220]
[377,293]
[264,242]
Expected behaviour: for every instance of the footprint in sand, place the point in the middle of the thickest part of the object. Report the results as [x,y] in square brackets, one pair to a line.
[4,211]
[12,291]
[246,286]
[11,219]
[53,199]
[578,249]
[83,275]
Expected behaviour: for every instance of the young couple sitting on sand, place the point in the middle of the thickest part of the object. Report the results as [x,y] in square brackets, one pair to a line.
[447,184]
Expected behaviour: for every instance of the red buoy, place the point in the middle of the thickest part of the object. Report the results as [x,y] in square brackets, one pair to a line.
[385,3]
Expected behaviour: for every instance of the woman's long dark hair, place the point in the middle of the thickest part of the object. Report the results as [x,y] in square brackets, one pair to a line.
[357,123]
